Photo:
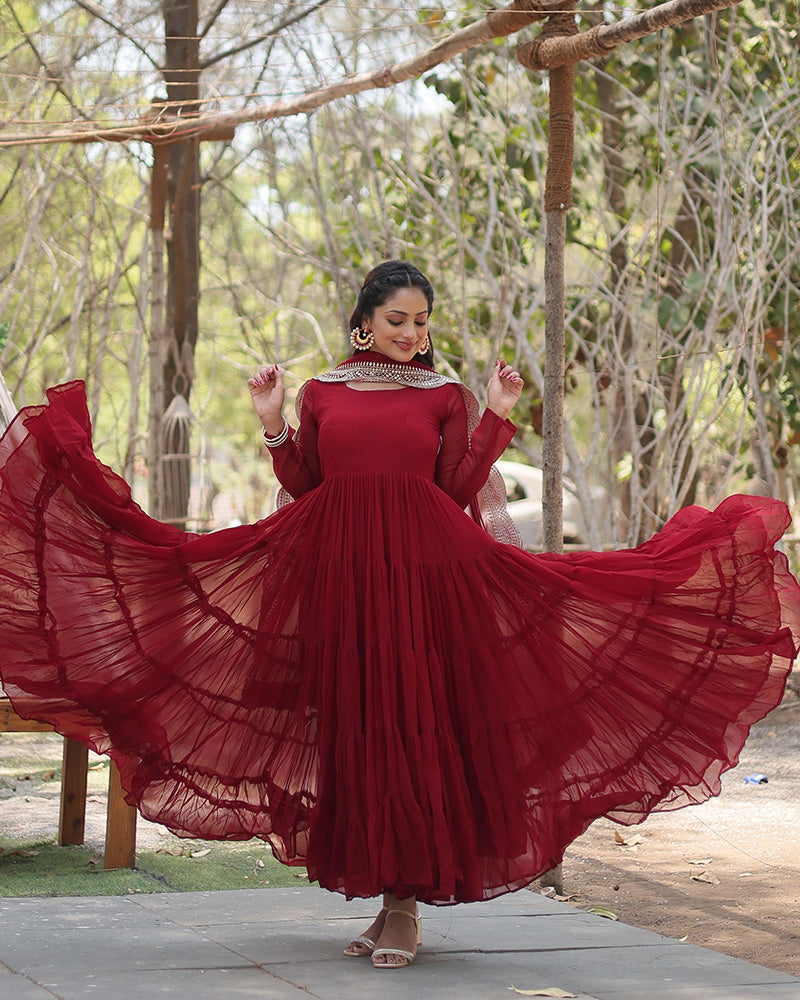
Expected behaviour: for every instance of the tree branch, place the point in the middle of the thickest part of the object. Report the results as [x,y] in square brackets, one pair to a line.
[212,19]
[97,11]
[496,24]
[276,29]
[53,76]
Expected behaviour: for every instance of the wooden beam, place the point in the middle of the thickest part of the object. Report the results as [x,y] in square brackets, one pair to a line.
[549,52]
[10,722]
[496,24]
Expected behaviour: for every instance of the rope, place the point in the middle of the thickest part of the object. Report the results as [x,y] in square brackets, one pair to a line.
[561,135]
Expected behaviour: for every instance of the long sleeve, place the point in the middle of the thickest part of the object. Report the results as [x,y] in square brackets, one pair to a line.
[463,464]
[296,461]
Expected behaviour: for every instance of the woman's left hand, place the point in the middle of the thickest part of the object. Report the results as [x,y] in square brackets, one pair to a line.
[504,390]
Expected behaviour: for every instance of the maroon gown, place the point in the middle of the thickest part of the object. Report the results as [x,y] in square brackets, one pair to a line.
[366,679]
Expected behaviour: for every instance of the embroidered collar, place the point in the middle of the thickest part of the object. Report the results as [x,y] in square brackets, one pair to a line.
[372,366]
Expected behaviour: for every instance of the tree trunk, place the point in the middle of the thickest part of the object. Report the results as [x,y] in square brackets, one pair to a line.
[557,200]
[157,351]
[182,77]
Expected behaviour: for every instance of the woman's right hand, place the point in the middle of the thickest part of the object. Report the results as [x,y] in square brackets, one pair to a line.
[267,392]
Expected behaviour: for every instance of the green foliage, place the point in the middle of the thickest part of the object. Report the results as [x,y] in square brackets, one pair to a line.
[449,172]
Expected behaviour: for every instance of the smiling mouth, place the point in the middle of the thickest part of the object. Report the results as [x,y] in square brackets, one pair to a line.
[403,346]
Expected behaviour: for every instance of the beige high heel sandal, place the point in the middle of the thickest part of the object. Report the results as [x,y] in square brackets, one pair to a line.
[407,956]
[362,939]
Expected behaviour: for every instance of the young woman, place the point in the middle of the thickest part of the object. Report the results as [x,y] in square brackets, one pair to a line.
[375,679]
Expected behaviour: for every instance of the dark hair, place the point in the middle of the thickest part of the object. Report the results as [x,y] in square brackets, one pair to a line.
[381,283]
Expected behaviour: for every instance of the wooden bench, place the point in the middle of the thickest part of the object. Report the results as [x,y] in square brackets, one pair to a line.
[120,845]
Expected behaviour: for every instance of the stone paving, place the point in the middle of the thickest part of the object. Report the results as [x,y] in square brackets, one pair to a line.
[285,944]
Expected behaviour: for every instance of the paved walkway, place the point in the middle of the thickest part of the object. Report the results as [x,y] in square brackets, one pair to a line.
[285,944]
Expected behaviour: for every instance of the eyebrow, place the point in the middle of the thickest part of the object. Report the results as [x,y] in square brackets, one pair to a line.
[422,312]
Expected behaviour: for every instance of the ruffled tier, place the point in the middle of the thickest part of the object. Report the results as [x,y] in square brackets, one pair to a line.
[371,684]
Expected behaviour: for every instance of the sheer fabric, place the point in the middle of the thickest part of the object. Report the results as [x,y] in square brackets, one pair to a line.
[366,679]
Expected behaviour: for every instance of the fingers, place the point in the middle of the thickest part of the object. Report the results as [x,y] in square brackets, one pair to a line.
[507,373]
[266,376]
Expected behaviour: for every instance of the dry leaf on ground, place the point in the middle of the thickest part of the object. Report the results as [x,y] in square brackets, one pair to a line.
[628,839]
[706,877]
[550,991]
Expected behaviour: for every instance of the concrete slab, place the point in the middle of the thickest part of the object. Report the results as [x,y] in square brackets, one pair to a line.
[532,932]
[14,987]
[285,944]
[192,984]
[102,949]
[76,913]
[767,991]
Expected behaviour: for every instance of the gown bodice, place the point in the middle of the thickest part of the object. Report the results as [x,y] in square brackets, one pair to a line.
[413,431]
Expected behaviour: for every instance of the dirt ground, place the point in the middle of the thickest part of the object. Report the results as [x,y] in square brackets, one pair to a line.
[723,875]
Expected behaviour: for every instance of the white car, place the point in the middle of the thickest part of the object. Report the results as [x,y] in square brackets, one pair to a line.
[524,498]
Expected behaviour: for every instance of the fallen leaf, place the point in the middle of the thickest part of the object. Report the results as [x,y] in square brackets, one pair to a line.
[300,874]
[259,863]
[180,853]
[684,938]
[699,861]
[628,840]
[200,854]
[601,911]
[19,854]
[706,877]
[550,991]
[745,875]
[48,775]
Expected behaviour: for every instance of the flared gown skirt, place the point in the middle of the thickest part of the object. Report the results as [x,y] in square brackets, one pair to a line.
[370,683]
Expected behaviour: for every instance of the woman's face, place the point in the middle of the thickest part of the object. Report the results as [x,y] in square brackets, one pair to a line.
[400,325]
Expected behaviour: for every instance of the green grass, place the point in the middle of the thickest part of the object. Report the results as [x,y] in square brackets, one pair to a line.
[34,865]
[45,869]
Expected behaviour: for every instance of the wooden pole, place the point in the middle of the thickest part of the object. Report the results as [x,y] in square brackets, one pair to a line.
[557,200]
[548,52]
[120,851]
[74,773]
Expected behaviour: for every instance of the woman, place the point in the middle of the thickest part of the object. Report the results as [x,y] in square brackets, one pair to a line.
[396,446]
[368,679]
